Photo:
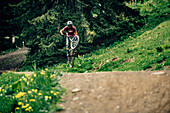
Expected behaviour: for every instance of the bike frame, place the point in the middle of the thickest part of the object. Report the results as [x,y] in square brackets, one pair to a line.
[71,56]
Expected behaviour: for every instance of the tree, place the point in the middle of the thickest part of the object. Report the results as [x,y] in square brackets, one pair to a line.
[37,22]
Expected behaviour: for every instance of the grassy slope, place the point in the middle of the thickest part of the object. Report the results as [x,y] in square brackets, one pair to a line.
[149,51]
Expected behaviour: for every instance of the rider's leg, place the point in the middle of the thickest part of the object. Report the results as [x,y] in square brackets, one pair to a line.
[75,51]
[67,45]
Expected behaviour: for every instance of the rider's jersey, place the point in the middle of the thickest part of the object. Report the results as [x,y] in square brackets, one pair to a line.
[70,31]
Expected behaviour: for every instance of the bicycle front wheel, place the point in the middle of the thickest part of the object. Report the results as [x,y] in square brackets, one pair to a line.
[75,41]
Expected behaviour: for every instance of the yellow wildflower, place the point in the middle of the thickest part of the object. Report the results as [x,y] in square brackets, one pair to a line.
[46,69]
[20,94]
[20,79]
[3,90]
[46,97]
[32,89]
[51,92]
[25,106]
[56,93]
[20,103]
[26,100]
[26,75]
[15,82]
[30,108]
[49,97]
[35,90]
[31,79]
[10,86]
[29,91]
[17,108]
[32,100]
[35,75]
[25,79]
[43,73]
[27,109]
[39,93]
[52,75]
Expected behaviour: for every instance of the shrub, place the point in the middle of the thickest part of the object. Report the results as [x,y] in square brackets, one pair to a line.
[159,67]
[30,93]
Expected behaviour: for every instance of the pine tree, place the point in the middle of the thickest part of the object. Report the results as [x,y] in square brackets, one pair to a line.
[37,22]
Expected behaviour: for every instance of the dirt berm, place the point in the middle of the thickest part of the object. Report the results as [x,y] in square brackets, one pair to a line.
[117,92]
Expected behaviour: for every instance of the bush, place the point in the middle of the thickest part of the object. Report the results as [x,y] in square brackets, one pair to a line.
[30,93]
[159,67]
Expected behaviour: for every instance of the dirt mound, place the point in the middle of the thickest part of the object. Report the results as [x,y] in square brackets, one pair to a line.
[12,60]
[117,92]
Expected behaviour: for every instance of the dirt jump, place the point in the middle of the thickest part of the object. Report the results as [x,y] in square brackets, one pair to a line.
[117,92]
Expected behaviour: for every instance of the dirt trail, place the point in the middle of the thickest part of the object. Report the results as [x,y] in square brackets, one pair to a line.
[12,60]
[117,92]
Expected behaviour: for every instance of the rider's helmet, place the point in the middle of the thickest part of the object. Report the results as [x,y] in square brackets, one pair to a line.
[69,23]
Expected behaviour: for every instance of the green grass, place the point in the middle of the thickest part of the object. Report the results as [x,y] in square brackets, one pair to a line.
[148,51]
[20,93]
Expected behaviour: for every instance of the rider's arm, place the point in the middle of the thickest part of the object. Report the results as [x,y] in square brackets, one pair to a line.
[75,30]
[61,31]
[76,33]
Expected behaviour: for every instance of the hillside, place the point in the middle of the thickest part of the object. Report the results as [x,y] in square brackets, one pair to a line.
[148,51]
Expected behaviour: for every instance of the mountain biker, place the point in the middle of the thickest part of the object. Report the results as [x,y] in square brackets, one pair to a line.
[70,32]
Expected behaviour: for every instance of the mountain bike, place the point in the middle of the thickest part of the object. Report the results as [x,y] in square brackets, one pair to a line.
[72,51]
